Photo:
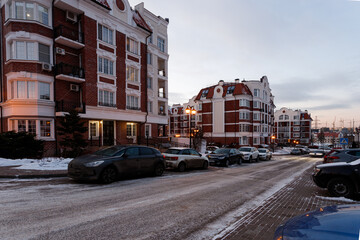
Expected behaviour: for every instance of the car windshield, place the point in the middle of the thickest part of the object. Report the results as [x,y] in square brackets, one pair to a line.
[245,149]
[109,152]
[173,151]
[222,151]
[262,150]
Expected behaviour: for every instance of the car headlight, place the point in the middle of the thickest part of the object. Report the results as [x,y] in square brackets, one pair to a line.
[93,164]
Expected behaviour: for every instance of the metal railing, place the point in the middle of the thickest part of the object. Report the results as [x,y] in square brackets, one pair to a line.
[105,104]
[69,33]
[67,106]
[133,108]
[70,70]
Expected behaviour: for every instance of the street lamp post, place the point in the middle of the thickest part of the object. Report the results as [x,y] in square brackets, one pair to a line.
[273,142]
[191,111]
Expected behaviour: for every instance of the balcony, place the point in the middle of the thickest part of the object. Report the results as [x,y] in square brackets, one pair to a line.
[70,73]
[106,104]
[133,108]
[69,37]
[67,106]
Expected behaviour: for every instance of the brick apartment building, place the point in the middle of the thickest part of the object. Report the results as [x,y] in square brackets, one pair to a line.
[292,125]
[230,113]
[100,57]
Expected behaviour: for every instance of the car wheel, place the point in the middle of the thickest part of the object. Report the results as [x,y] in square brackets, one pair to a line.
[227,163]
[108,175]
[159,170]
[239,161]
[340,187]
[258,158]
[205,165]
[250,159]
[181,167]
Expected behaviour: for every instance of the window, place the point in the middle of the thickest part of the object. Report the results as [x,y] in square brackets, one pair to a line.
[286,117]
[256,116]
[149,82]
[244,103]
[150,107]
[296,129]
[106,66]
[29,11]
[255,141]
[147,130]
[132,74]
[200,118]
[244,128]
[45,128]
[149,58]
[31,51]
[132,46]
[133,151]
[30,90]
[130,129]
[93,129]
[204,93]
[296,135]
[150,39]
[44,90]
[244,115]
[256,92]
[281,117]
[21,125]
[161,44]
[200,106]
[106,98]
[297,123]
[244,140]
[256,104]
[296,117]
[132,102]
[105,34]
[230,89]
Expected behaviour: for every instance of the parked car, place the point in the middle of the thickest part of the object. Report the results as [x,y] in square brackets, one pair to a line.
[304,150]
[328,223]
[317,152]
[210,149]
[342,155]
[264,154]
[341,179]
[296,151]
[183,158]
[250,153]
[108,164]
[225,157]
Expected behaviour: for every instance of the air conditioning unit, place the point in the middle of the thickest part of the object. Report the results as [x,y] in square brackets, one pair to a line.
[74,87]
[60,51]
[46,67]
[71,16]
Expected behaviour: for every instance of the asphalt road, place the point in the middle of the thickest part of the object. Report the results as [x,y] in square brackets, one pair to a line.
[191,205]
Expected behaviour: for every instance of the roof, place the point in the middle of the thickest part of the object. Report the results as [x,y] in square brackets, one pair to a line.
[140,22]
[240,89]
[103,3]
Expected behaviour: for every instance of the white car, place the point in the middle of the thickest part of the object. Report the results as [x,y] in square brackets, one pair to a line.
[264,154]
[184,158]
[250,153]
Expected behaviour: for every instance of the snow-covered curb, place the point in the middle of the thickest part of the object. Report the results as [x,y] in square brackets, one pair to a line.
[37,164]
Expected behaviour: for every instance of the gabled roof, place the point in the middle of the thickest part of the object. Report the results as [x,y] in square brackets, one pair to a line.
[240,89]
[140,22]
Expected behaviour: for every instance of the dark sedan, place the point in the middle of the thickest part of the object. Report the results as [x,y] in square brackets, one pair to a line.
[109,164]
[225,157]
[341,179]
[329,223]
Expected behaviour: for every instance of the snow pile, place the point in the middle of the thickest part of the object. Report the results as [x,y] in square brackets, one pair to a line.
[342,199]
[37,164]
[283,151]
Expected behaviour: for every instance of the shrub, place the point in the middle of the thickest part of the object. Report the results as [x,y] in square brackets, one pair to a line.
[20,145]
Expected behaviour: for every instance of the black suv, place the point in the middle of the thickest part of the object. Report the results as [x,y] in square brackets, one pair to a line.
[341,179]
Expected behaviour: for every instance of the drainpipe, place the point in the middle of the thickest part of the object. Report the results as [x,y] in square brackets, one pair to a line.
[1,74]
[54,83]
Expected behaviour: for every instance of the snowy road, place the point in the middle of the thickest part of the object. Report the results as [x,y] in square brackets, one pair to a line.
[193,205]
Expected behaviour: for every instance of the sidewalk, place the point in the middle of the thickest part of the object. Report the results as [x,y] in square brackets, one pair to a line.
[298,197]
[12,172]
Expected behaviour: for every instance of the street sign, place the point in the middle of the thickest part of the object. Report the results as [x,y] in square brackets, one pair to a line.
[344,141]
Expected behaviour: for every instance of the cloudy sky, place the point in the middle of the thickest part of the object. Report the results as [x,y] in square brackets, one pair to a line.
[308,49]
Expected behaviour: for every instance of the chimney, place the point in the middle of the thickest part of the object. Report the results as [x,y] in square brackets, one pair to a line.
[237,80]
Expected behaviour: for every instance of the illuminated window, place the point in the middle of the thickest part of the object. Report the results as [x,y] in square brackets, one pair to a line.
[132,46]
[45,128]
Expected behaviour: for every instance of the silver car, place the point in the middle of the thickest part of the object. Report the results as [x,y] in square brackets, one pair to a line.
[264,154]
